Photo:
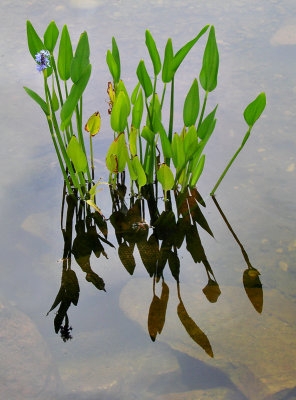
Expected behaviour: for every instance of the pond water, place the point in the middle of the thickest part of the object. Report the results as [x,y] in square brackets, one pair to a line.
[111,355]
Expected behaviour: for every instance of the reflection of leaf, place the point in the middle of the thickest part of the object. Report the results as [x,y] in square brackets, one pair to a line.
[61,314]
[96,280]
[193,244]
[149,252]
[174,264]
[163,257]
[58,299]
[153,317]
[253,288]
[157,312]
[70,282]
[125,253]
[212,291]
[180,231]
[165,225]
[197,215]
[193,330]
[197,196]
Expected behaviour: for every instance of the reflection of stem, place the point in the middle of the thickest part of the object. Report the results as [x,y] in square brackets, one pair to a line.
[233,233]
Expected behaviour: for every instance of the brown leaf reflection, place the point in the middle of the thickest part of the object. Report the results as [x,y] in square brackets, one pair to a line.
[253,288]
[157,312]
[192,329]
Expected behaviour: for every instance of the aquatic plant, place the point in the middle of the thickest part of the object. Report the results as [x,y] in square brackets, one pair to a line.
[150,152]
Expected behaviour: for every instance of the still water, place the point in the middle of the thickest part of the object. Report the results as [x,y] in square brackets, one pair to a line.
[111,355]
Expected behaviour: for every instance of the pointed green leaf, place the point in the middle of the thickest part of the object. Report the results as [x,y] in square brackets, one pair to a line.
[51,36]
[113,67]
[207,126]
[167,68]
[132,172]
[210,64]
[137,112]
[38,100]
[197,172]
[76,155]
[119,113]
[141,176]
[154,55]
[135,93]
[156,114]
[116,56]
[74,96]
[178,152]
[165,143]
[81,59]
[55,101]
[255,109]
[65,55]
[191,105]
[144,79]
[190,143]
[148,135]
[122,152]
[34,42]
[121,88]
[133,141]
[181,54]
[165,177]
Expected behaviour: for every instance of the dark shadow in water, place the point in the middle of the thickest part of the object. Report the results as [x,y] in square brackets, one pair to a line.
[287,394]
[157,241]
[194,375]
[251,280]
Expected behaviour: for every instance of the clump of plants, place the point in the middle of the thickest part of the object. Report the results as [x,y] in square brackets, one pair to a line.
[144,145]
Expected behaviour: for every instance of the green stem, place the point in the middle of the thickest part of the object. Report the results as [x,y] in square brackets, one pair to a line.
[91,155]
[231,161]
[57,78]
[80,136]
[71,127]
[162,97]
[203,109]
[148,112]
[61,144]
[171,112]
[140,146]
[153,100]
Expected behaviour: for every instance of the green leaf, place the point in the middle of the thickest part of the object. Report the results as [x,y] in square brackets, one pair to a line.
[119,113]
[154,55]
[197,171]
[181,54]
[141,176]
[191,105]
[55,101]
[167,68]
[133,141]
[210,64]
[113,67]
[74,96]
[137,112]
[165,177]
[93,124]
[207,126]
[65,55]
[144,79]
[76,154]
[51,36]
[178,152]
[148,135]
[38,100]
[34,42]
[255,109]
[165,143]
[122,152]
[115,54]
[135,93]
[156,114]
[190,143]
[132,172]
[121,88]
[81,59]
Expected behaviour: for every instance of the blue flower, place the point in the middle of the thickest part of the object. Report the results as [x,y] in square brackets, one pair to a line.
[42,60]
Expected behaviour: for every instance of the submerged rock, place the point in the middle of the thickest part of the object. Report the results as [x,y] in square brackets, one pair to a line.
[27,371]
[256,351]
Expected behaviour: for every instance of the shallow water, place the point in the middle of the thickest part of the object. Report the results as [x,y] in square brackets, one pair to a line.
[111,355]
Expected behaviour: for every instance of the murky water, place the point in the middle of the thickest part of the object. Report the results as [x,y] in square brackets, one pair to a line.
[111,355]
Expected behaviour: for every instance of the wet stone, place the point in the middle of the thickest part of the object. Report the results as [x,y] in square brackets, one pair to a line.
[255,351]
[27,370]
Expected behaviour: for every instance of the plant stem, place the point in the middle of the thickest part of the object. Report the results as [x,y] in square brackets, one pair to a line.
[80,136]
[140,146]
[91,156]
[71,127]
[171,112]
[162,97]
[57,79]
[203,109]
[148,112]
[231,161]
